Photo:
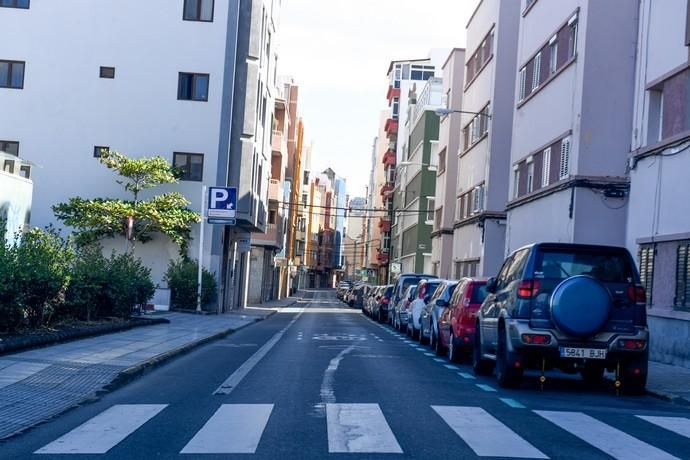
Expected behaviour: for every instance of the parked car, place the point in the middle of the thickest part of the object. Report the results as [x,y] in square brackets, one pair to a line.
[342,288]
[401,310]
[381,303]
[457,322]
[359,294]
[403,282]
[580,308]
[371,299]
[425,289]
[432,312]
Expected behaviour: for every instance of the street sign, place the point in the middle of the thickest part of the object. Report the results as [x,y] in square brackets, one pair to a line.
[396,267]
[222,203]
[222,221]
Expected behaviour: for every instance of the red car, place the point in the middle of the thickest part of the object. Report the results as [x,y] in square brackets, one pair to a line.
[457,322]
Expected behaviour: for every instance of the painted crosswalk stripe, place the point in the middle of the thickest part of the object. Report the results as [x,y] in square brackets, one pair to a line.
[450,366]
[679,425]
[233,429]
[486,387]
[465,375]
[103,432]
[604,437]
[428,354]
[480,430]
[359,428]
[512,403]
[439,360]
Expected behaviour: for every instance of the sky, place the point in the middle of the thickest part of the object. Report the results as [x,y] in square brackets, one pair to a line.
[338,51]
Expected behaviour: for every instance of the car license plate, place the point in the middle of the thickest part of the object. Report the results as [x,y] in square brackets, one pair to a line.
[587,353]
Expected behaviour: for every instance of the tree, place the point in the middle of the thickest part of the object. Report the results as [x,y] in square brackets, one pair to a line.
[100,218]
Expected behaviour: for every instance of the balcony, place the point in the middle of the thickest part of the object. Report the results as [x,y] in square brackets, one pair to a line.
[392,92]
[430,98]
[275,191]
[382,257]
[384,225]
[277,142]
[387,190]
[389,158]
[391,127]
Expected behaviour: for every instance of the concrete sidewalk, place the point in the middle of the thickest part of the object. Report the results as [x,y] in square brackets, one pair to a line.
[669,382]
[39,384]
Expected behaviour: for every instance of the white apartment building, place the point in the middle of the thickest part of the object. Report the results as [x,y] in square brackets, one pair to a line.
[572,122]
[447,166]
[190,80]
[658,225]
[483,157]
[16,188]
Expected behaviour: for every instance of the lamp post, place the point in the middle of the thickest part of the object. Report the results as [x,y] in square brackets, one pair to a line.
[442,111]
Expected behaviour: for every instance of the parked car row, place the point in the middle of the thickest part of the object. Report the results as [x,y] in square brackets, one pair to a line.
[577,308]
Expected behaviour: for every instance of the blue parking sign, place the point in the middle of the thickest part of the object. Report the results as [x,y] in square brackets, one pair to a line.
[222,202]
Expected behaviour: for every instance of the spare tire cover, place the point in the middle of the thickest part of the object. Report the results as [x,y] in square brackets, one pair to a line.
[580,306]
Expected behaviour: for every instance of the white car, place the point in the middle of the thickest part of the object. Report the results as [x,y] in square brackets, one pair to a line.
[425,290]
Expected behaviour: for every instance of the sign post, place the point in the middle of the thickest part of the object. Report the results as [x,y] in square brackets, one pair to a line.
[219,208]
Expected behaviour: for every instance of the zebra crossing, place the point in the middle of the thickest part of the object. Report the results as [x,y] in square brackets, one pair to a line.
[364,429]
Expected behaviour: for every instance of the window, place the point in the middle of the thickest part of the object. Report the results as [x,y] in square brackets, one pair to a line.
[430,204]
[12,74]
[516,181]
[476,128]
[8,167]
[10,147]
[546,167]
[536,71]
[646,262]
[530,176]
[478,199]
[553,54]
[14,4]
[442,161]
[198,10]
[523,81]
[479,58]
[422,72]
[189,165]
[438,218]
[107,72]
[564,168]
[386,242]
[665,118]
[572,36]
[98,150]
[391,175]
[272,216]
[193,87]
[396,107]
[25,171]
[306,178]
[682,297]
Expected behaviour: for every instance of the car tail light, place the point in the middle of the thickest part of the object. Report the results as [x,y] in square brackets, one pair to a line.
[629,344]
[637,294]
[536,339]
[528,288]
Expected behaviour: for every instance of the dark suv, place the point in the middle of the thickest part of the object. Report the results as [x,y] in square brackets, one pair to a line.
[579,308]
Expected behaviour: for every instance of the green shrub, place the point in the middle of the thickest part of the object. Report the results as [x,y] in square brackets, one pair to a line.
[11,314]
[87,294]
[182,277]
[42,262]
[129,284]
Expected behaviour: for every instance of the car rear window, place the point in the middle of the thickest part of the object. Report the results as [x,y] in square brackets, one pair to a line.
[606,266]
[478,293]
[389,291]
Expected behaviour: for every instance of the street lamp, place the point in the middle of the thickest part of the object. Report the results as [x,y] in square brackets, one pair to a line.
[441,111]
[410,163]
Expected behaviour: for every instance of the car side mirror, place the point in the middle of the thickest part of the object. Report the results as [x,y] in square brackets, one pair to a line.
[441,303]
[491,285]
[427,299]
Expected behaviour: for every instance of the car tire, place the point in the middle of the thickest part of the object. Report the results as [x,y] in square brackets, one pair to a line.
[432,339]
[379,317]
[424,340]
[506,374]
[480,366]
[438,346]
[634,384]
[592,374]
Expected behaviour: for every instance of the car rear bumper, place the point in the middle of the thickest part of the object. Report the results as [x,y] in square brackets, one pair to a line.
[609,341]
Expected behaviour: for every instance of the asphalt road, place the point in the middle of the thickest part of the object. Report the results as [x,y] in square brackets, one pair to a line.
[320,380]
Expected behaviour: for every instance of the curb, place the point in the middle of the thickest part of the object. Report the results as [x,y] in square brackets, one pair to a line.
[129,374]
[670,397]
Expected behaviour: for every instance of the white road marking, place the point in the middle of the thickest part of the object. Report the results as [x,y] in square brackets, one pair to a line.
[486,387]
[512,403]
[246,367]
[439,360]
[610,440]
[327,391]
[450,366]
[429,354]
[103,432]
[480,430]
[233,429]
[359,428]
[679,425]
[465,375]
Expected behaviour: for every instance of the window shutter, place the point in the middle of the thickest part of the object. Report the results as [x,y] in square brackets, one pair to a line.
[522,76]
[683,275]
[536,71]
[546,168]
[646,263]
[565,159]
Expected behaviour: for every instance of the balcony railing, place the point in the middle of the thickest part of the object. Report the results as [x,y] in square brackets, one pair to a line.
[430,98]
